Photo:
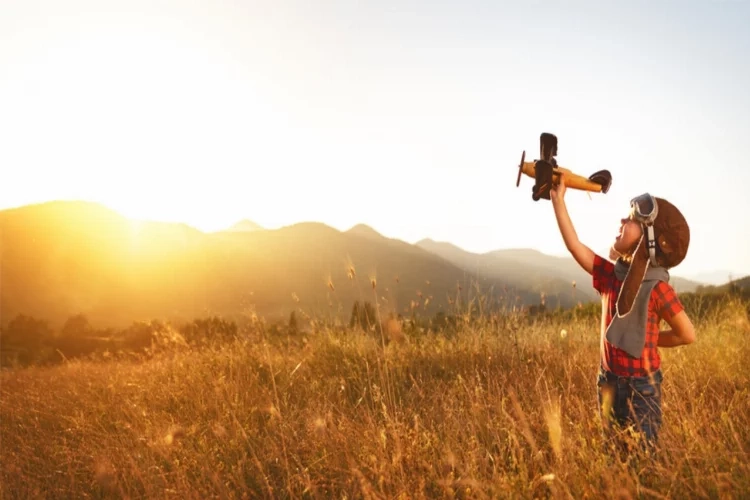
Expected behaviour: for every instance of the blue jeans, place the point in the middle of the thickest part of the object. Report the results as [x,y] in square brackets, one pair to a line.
[631,401]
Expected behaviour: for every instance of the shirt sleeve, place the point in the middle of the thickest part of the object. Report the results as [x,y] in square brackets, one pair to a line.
[603,274]
[666,301]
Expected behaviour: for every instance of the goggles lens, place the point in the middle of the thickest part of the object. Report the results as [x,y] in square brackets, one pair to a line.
[643,208]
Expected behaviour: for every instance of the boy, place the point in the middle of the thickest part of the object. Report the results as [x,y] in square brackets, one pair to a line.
[636,295]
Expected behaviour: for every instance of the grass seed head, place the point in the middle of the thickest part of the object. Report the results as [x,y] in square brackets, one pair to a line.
[173,435]
[554,429]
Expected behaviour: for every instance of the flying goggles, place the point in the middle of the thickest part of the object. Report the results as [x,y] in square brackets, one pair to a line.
[644,209]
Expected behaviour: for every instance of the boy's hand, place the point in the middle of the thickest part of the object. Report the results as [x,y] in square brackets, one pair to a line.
[557,193]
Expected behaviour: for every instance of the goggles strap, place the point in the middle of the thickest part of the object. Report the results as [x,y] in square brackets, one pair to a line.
[651,244]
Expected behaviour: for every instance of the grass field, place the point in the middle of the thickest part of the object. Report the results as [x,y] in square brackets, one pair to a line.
[487,412]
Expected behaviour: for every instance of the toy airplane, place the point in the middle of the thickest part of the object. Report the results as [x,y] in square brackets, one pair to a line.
[546,173]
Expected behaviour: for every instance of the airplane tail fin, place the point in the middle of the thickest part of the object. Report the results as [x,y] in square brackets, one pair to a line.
[603,178]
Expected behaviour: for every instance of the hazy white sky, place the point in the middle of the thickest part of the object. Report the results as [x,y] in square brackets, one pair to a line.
[406,116]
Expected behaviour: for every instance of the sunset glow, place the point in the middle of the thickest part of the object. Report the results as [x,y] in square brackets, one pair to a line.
[277,248]
[409,120]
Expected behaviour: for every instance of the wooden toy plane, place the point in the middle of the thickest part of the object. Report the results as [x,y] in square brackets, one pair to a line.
[546,173]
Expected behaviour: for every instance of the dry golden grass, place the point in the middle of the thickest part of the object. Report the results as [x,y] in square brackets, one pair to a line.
[479,414]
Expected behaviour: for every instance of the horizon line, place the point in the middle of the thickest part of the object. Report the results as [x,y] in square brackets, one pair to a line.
[730,275]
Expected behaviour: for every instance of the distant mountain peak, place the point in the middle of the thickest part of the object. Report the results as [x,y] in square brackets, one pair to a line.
[309,228]
[518,251]
[429,241]
[245,225]
[364,230]
[432,245]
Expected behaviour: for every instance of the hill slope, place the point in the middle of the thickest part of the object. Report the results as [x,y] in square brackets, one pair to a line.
[540,273]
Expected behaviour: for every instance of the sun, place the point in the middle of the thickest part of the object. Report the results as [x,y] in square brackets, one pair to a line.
[155,124]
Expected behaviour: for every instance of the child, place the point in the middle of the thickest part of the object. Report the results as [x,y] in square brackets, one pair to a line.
[636,295]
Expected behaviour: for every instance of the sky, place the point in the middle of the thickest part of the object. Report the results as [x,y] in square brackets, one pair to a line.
[407,116]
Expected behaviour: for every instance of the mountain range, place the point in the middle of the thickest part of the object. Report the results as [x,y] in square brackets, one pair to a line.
[535,270]
[67,257]
[715,278]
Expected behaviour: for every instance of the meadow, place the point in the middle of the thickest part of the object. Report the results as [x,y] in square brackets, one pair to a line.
[501,408]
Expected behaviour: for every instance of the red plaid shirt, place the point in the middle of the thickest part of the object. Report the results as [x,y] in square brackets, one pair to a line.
[663,304]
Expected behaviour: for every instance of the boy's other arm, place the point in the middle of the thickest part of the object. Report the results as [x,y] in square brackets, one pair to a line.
[581,253]
[671,310]
[681,333]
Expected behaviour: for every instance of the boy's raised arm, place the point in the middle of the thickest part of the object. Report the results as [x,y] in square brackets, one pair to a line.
[581,253]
